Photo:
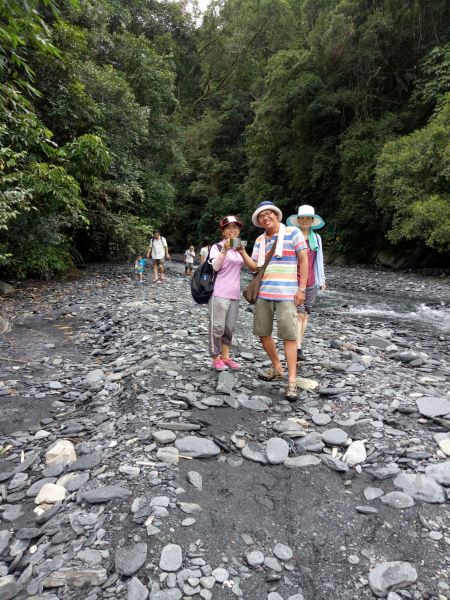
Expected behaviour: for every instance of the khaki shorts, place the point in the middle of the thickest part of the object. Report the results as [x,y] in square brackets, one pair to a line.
[286,313]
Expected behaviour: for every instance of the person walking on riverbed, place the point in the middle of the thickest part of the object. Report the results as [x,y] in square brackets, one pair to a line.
[279,293]
[159,252]
[308,222]
[224,303]
[189,256]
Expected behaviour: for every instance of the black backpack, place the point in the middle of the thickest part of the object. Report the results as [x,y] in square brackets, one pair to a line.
[202,282]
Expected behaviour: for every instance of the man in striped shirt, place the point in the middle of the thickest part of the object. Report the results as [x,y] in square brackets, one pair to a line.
[279,293]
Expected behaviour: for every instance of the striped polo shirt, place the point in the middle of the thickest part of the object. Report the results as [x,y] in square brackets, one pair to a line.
[280,279]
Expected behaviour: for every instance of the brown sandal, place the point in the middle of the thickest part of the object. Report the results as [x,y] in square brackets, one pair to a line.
[270,375]
[291,392]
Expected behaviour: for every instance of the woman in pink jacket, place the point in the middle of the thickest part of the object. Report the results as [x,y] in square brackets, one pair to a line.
[224,303]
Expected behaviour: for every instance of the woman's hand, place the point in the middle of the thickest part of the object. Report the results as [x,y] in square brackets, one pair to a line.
[226,246]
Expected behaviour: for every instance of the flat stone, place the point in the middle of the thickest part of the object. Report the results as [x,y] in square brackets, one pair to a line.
[86,462]
[50,493]
[178,426]
[5,536]
[35,488]
[216,401]
[307,384]
[73,481]
[197,447]
[12,513]
[294,462]
[95,376]
[377,342]
[420,487]
[334,437]
[226,383]
[391,576]
[168,454]
[390,470]
[254,558]
[190,507]
[355,454]
[370,493]
[440,472]
[366,510]
[321,419]
[130,559]
[255,452]
[91,557]
[283,552]
[220,574]
[334,463]
[329,391]
[9,587]
[188,522]
[62,452]
[277,450]
[173,594]
[76,577]
[195,479]
[136,590]
[433,407]
[105,494]
[55,385]
[398,500]
[444,445]
[164,436]
[256,403]
[171,558]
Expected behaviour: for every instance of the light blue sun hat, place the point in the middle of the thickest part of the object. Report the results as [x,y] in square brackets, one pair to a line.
[305,210]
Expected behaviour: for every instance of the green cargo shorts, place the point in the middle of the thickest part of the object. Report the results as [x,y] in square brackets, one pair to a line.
[264,313]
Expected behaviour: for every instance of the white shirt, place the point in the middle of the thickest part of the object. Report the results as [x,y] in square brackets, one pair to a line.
[158,248]
[204,252]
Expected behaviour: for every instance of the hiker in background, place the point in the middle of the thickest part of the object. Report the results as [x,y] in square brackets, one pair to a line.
[159,252]
[139,266]
[189,256]
[308,222]
[204,251]
[224,303]
[279,294]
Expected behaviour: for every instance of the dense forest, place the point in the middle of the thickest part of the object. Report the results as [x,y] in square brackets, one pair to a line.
[120,116]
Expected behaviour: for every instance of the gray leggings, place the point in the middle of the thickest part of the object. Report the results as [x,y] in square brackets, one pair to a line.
[223,314]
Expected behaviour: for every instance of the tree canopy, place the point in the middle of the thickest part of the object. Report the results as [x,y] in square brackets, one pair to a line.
[119,117]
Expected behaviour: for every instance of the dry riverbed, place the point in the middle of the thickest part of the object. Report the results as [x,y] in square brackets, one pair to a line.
[129,469]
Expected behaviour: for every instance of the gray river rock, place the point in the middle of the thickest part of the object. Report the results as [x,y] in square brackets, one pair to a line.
[182,482]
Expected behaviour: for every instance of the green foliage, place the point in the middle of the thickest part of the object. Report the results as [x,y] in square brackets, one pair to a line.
[412,184]
[119,117]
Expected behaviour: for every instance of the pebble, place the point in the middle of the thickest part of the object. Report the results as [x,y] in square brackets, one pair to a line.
[397,500]
[129,559]
[283,552]
[171,558]
[197,447]
[391,576]
[334,437]
[277,451]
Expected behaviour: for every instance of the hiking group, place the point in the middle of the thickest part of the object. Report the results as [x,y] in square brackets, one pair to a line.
[290,260]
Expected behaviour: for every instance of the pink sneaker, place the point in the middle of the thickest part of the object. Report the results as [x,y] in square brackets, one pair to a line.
[230,363]
[219,365]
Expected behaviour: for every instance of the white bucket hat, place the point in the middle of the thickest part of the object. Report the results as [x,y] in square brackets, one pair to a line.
[266,205]
[306,211]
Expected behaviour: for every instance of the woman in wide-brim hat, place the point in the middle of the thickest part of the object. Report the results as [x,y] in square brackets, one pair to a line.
[223,305]
[308,222]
